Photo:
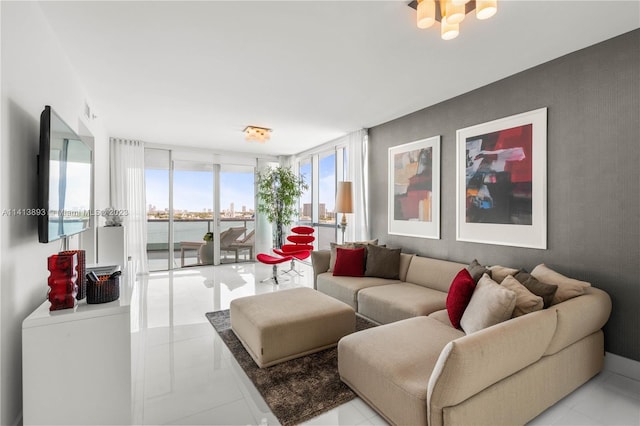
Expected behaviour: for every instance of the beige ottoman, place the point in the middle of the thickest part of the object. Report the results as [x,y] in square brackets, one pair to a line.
[287,324]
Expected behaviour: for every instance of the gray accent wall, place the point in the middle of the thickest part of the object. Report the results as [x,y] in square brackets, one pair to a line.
[593,173]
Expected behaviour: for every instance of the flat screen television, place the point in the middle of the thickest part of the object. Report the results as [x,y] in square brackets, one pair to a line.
[64,180]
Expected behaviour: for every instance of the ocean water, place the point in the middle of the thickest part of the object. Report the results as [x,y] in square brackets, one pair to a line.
[158,232]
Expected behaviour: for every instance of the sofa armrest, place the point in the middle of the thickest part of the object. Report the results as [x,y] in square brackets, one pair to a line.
[476,361]
[320,261]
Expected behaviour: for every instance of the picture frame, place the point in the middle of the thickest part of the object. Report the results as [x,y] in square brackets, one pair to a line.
[502,181]
[414,189]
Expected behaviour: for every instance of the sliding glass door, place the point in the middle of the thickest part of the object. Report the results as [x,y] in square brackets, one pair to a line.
[237,209]
[193,207]
[199,212]
[156,177]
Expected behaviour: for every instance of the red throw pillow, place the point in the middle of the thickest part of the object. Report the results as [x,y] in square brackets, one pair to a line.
[459,296]
[349,262]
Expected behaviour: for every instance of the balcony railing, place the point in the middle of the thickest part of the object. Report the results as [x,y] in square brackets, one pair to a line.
[188,230]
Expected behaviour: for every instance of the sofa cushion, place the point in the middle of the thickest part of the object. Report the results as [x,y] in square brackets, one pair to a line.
[389,366]
[526,302]
[567,287]
[443,316]
[395,302]
[433,273]
[499,273]
[349,262]
[546,291]
[346,289]
[383,262]
[490,304]
[477,270]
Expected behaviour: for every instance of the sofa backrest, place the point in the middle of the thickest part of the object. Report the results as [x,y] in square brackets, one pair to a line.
[432,273]
[405,262]
[573,322]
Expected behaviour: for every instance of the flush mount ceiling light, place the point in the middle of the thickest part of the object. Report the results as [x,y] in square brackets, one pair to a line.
[258,134]
[450,13]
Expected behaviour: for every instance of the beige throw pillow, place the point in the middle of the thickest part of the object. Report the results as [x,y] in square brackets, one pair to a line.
[490,304]
[568,288]
[499,273]
[526,302]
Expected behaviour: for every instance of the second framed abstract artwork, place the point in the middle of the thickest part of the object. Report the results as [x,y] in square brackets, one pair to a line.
[414,189]
[502,181]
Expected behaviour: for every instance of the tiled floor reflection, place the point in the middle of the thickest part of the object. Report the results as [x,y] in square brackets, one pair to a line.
[186,375]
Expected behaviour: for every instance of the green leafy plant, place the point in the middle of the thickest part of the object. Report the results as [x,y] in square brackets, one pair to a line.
[279,189]
[208,236]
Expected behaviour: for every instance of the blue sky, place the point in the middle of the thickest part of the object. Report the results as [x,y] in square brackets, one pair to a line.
[193,190]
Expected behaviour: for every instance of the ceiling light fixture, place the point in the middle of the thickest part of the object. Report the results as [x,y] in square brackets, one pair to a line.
[450,13]
[258,134]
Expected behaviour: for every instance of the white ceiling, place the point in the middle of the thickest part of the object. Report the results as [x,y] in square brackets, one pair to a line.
[196,73]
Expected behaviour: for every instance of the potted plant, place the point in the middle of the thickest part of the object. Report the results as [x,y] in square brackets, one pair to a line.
[206,251]
[279,189]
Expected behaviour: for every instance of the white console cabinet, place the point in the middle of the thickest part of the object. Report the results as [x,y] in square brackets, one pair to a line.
[76,363]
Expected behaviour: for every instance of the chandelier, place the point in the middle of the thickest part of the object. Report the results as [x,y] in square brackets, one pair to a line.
[450,13]
[258,134]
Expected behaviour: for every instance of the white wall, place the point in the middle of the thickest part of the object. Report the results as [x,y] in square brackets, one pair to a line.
[35,72]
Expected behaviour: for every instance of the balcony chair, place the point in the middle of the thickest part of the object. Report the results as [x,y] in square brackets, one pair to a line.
[229,237]
[243,244]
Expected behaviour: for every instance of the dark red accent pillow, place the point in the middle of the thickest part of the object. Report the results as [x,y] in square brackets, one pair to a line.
[349,262]
[459,296]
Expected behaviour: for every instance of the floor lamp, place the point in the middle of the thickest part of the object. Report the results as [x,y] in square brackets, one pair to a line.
[344,203]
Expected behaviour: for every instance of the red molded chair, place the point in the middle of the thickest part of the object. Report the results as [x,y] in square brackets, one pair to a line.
[301,247]
[275,261]
[299,250]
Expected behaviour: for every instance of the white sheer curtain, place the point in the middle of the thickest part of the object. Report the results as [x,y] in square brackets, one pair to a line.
[358,143]
[128,193]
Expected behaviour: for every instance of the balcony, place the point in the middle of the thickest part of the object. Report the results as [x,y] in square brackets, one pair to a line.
[192,230]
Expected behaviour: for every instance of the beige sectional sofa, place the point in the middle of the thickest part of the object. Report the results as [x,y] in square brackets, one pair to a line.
[418,369]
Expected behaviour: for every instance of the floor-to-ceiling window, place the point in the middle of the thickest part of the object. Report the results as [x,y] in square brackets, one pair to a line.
[321,171]
[237,211]
[156,177]
[199,211]
[193,212]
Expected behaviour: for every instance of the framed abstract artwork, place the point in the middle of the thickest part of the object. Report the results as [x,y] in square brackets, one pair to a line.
[414,189]
[502,181]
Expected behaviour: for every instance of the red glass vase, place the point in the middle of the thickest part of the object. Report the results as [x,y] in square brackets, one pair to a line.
[82,276]
[63,281]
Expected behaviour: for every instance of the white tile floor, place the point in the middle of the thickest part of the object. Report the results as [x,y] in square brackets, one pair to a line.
[186,375]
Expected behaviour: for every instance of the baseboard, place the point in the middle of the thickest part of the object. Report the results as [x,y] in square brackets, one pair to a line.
[621,365]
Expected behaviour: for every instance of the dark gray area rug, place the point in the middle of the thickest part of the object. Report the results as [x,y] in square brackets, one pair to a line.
[295,390]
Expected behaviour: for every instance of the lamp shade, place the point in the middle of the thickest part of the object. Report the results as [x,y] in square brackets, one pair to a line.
[485,9]
[449,31]
[455,13]
[426,13]
[344,198]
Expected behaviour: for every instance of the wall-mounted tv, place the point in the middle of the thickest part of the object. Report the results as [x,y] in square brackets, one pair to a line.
[64,180]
